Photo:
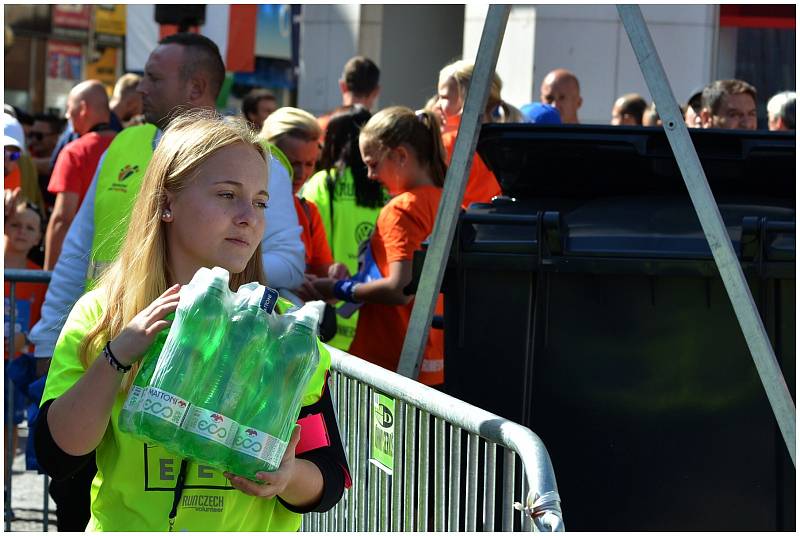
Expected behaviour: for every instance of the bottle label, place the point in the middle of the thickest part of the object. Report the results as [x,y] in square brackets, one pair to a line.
[259,445]
[211,425]
[134,399]
[269,300]
[164,405]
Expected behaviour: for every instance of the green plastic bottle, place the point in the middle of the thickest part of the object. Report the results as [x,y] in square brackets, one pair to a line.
[201,322]
[211,420]
[273,403]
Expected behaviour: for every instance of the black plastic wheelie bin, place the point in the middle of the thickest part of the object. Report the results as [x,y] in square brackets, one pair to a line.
[586,305]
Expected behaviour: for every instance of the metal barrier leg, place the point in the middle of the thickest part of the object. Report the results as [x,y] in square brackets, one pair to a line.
[10,450]
[361,456]
[46,505]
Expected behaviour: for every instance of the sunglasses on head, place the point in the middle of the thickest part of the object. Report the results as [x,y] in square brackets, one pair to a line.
[13,154]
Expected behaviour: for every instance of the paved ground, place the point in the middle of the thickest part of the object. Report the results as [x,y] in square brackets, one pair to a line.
[27,494]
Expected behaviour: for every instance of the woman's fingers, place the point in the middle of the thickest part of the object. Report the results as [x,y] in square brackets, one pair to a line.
[157,327]
[162,310]
[249,487]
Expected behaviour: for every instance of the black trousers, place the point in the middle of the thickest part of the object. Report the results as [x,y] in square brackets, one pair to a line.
[73,497]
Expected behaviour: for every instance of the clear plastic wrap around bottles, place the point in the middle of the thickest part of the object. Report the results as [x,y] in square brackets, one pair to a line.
[224,386]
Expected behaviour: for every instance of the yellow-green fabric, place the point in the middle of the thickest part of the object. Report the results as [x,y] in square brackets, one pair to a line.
[134,486]
[279,156]
[118,183]
[351,224]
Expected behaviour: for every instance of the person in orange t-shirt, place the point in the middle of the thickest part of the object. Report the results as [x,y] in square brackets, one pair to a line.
[403,150]
[318,252]
[454,80]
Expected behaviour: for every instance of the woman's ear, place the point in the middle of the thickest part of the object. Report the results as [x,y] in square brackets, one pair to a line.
[166,209]
[401,155]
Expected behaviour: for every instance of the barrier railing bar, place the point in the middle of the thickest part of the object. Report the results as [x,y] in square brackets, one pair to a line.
[397,471]
[410,466]
[454,514]
[489,487]
[423,472]
[509,460]
[472,483]
[439,476]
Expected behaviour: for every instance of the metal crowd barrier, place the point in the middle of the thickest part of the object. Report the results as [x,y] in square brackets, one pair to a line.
[13,277]
[418,466]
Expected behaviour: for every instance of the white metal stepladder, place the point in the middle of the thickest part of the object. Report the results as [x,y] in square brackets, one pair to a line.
[693,175]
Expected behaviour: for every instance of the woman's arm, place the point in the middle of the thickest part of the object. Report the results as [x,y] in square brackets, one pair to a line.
[387,290]
[79,418]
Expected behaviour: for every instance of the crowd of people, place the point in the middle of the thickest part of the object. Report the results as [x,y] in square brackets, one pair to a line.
[136,192]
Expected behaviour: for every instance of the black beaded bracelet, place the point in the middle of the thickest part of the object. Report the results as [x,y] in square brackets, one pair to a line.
[113,361]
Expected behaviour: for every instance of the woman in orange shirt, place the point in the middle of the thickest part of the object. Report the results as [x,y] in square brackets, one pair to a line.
[454,80]
[403,150]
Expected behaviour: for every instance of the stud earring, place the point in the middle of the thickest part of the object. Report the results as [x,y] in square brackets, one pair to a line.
[166,215]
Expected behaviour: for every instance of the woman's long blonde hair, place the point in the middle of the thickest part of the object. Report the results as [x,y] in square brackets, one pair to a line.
[140,273]
[461,72]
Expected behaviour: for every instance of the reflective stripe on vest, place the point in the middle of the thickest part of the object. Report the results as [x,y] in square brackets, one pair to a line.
[118,184]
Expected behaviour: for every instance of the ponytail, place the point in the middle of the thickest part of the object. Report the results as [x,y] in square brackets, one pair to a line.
[438,154]
[398,125]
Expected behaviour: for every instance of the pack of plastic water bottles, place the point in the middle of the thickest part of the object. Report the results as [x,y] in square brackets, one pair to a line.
[224,384]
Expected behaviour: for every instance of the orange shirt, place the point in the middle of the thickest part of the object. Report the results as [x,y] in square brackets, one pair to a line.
[28,298]
[318,252]
[403,224]
[481,184]
[13,179]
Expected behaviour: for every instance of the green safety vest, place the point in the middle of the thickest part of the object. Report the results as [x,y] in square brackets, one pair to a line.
[118,184]
[350,225]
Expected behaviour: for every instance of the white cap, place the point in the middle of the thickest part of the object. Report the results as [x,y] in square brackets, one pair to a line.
[13,135]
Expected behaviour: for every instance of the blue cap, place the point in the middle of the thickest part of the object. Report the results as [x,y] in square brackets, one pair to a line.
[541,114]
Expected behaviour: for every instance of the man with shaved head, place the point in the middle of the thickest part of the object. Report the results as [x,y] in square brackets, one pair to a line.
[560,88]
[88,111]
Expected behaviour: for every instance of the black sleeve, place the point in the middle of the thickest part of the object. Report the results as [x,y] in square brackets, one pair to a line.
[330,460]
[51,458]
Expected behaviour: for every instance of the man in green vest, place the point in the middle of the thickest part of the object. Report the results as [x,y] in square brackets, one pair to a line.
[185,72]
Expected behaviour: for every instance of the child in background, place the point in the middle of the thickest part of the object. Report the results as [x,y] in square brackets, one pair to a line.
[403,150]
[348,202]
[454,80]
[23,232]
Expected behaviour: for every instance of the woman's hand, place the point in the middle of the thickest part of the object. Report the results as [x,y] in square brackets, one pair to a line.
[135,338]
[306,291]
[273,483]
[338,270]
[324,286]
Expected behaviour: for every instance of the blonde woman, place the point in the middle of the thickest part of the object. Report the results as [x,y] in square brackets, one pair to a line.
[201,205]
[454,81]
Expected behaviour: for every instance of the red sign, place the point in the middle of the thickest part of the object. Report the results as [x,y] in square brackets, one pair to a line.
[76,16]
[781,16]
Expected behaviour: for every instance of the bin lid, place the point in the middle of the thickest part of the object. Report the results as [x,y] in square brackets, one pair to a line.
[581,161]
